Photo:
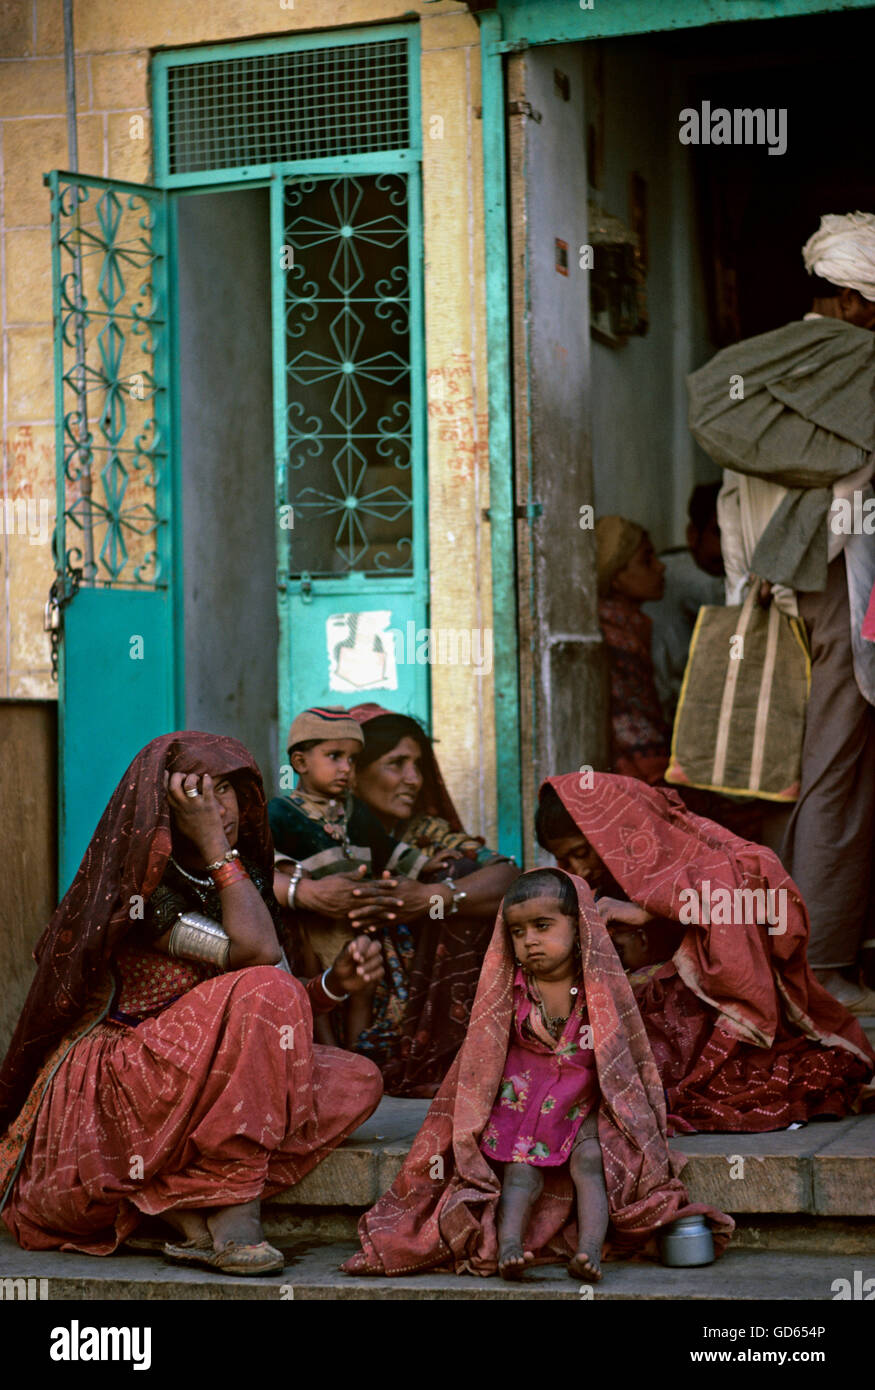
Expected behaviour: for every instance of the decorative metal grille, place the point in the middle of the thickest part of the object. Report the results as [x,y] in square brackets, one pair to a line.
[348,389]
[310,103]
[110,325]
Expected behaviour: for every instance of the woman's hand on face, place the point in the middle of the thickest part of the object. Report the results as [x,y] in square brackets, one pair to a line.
[359,966]
[615,910]
[198,818]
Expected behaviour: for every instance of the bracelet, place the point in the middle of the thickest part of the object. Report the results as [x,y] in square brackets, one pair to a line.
[228,874]
[293,883]
[226,858]
[196,937]
[321,1002]
[335,998]
[459,895]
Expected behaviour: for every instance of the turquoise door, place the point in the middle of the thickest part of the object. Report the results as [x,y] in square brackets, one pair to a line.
[113,597]
[350,441]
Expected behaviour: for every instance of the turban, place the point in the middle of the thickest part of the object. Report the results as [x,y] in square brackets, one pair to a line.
[842,251]
[327,722]
[616,541]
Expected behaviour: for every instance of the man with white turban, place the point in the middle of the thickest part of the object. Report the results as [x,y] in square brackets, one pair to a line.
[799,439]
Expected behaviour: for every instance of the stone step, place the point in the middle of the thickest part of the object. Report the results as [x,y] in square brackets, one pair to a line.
[312,1272]
[824,1169]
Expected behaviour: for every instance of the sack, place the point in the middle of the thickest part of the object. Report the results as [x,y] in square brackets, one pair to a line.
[741,713]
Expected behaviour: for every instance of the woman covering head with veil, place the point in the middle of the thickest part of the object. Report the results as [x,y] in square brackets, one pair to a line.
[744,1037]
[163,1065]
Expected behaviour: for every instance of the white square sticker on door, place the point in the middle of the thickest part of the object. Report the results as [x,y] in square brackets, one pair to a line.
[361,652]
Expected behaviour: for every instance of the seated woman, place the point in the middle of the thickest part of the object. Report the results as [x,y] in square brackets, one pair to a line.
[744,1037]
[162,1064]
[549,1132]
[433,934]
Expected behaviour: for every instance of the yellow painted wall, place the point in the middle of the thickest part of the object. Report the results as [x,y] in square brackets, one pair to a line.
[114,40]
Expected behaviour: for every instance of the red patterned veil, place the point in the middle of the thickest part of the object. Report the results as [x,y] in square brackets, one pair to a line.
[441,1209]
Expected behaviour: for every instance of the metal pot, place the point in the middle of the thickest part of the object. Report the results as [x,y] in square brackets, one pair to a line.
[687,1242]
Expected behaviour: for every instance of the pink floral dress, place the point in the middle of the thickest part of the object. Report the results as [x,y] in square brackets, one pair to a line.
[547,1089]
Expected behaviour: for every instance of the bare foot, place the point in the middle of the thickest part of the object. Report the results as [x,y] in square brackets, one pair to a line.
[240,1225]
[586,1267]
[512,1260]
[190,1224]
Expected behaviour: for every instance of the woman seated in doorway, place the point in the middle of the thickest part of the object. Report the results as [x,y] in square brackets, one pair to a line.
[163,1065]
[433,934]
[714,935]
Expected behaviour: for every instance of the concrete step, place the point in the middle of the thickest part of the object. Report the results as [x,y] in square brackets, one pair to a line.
[823,1169]
[312,1272]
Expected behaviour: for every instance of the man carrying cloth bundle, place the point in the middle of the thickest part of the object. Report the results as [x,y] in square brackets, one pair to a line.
[790,415]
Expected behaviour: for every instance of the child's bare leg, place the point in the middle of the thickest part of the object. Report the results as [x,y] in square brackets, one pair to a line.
[359,1015]
[588,1176]
[520,1190]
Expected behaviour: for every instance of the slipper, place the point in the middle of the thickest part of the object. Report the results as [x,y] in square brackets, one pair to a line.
[233,1258]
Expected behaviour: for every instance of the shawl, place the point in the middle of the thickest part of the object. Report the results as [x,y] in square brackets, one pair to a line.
[640,737]
[806,419]
[657,850]
[442,1207]
[434,799]
[127,855]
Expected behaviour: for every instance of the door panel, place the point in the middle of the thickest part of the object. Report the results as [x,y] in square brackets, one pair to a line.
[350,447]
[113,551]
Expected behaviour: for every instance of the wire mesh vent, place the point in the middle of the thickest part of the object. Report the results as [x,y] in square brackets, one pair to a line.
[316,103]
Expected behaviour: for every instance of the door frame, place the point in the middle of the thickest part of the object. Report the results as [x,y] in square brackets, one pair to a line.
[274,176]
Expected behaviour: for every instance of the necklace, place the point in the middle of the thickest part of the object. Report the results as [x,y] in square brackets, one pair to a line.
[554,1023]
[193,878]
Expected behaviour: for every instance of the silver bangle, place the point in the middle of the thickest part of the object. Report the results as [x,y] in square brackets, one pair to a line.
[294,880]
[338,998]
[196,937]
[459,895]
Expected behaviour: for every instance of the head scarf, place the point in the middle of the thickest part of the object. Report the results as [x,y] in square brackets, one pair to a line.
[433,799]
[842,251]
[127,855]
[657,850]
[616,541]
[423,1221]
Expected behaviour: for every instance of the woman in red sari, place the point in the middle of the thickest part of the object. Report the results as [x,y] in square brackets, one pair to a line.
[163,1064]
[744,1037]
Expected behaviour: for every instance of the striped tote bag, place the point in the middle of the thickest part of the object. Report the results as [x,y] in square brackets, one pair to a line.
[741,712]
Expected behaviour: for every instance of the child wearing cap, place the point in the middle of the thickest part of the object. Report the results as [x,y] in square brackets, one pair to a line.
[322,829]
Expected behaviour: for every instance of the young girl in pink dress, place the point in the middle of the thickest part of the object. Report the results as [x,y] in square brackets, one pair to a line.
[545,1111]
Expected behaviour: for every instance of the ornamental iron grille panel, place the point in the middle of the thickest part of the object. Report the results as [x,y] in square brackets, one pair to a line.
[348,375]
[110,351]
[275,108]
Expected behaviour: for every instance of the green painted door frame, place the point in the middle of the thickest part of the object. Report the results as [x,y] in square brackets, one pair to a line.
[507,27]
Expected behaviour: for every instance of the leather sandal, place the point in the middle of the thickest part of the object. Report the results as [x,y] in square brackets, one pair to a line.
[233,1258]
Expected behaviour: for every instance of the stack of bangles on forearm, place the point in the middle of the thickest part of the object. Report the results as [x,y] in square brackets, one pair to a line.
[227,870]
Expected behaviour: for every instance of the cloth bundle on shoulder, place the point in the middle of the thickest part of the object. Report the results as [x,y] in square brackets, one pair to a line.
[741,713]
[794,407]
